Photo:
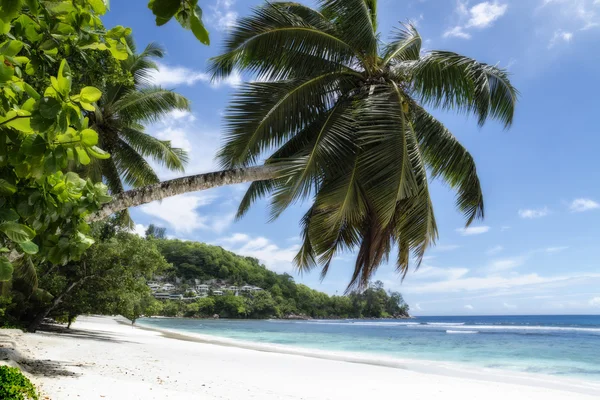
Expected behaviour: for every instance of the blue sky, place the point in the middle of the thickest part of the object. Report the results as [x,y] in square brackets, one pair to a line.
[536,252]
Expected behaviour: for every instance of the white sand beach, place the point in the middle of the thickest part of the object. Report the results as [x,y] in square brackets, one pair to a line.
[105,359]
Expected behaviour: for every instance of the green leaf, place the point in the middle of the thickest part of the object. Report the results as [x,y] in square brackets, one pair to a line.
[10,8]
[19,120]
[64,78]
[164,10]
[8,214]
[50,107]
[98,153]
[11,48]
[28,105]
[95,46]
[29,247]
[18,233]
[6,71]
[31,91]
[90,94]
[87,106]
[4,27]
[6,269]
[7,188]
[34,145]
[30,68]
[89,137]
[199,30]
[83,157]
[98,6]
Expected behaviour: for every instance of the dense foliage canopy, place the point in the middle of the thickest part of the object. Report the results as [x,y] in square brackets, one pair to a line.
[109,279]
[281,295]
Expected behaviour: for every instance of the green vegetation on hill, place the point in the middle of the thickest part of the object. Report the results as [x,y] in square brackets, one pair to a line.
[281,296]
[111,278]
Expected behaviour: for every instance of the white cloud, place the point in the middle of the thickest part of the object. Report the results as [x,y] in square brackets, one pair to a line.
[557,249]
[494,250]
[595,302]
[534,213]
[484,14]
[184,131]
[428,273]
[220,223]
[236,238]
[445,248]
[140,230]
[494,282]
[172,76]
[417,307]
[181,213]
[276,258]
[223,16]
[480,16]
[579,14]
[560,36]
[504,264]
[510,306]
[473,230]
[581,205]
[504,228]
[469,307]
[457,32]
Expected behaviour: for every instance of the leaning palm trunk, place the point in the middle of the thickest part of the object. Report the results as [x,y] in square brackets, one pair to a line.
[194,183]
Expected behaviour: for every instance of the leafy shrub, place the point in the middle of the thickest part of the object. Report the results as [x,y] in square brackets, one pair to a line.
[15,386]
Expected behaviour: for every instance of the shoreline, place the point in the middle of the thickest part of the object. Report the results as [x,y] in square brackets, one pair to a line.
[432,367]
[106,358]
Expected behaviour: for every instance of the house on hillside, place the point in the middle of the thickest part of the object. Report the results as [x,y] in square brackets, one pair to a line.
[202,288]
[217,292]
[250,289]
[168,287]
[168,296]
[154,286]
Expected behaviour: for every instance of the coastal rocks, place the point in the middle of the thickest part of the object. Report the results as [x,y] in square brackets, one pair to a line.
[216,316]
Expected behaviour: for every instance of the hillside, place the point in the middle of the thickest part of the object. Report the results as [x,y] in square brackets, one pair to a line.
[195,263]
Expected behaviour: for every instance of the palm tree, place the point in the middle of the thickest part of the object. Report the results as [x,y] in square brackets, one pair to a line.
[340,120]
[119,120]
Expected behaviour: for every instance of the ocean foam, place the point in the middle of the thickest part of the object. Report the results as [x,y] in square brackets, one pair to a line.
[359,323]
[463,332]
[534,328]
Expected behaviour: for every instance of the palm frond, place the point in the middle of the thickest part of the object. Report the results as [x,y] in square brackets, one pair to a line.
[142,66]
[133,168]
[385,165]
[256,191]
[148,104]
[263,115]
[455,82]
[449,160]
[405,46]
[252,40]
[161,151]
[356,22]
[331,144]
[25,270]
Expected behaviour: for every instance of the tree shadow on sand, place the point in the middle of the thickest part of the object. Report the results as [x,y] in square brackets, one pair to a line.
[50,368]
[80,334]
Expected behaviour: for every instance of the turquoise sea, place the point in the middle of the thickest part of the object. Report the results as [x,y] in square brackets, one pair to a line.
[566,346]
